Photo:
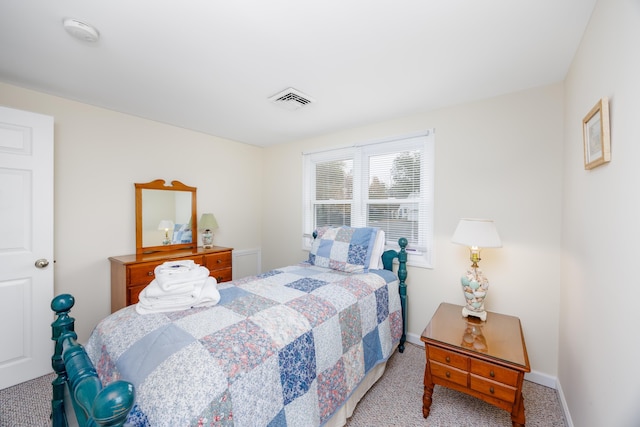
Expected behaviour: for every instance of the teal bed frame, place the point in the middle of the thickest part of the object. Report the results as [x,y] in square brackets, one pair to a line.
[77,385]
[78,389]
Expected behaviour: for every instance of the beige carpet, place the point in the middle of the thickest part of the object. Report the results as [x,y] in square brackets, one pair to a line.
[395,400]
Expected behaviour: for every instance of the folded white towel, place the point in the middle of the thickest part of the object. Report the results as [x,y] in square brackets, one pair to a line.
[169,279]
[210,295]
[176,267]
[203,294]
[154,291]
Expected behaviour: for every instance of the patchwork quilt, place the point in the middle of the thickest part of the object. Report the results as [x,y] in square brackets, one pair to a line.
[285,348]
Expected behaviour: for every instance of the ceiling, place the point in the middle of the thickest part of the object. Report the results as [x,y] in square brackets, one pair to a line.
[211,65]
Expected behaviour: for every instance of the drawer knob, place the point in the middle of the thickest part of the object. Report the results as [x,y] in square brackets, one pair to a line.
[491,390]
[448,359]
[219,261]
[149,273]
[219,279]
[448,375]
[492,374]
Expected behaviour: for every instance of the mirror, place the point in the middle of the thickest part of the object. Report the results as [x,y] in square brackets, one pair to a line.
[165,217]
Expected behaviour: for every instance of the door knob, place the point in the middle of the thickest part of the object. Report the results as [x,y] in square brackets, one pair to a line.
[42,263]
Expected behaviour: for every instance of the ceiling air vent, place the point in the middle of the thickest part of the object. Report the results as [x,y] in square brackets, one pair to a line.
[291,99]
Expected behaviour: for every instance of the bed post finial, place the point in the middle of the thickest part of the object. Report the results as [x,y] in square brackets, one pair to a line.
[64,324]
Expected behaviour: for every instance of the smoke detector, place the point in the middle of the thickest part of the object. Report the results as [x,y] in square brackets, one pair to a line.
[291,99]
[80,30]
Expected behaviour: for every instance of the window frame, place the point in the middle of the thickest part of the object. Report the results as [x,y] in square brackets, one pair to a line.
[422,256]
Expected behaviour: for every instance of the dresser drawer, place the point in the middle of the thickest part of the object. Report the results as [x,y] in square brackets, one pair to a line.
[217,261]
[493,388]
[133,293]
[494,372]
[447,357]
[223,275]
[143,274]
[449,373]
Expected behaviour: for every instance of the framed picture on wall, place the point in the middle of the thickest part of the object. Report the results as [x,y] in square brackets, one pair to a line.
[595,132]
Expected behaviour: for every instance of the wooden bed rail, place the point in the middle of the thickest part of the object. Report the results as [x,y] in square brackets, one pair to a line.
[93,405]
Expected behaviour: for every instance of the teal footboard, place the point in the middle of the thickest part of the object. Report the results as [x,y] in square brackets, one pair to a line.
[92,404]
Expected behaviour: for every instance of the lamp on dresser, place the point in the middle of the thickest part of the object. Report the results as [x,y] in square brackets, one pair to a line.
[208,224]
[475,234]
[166,225]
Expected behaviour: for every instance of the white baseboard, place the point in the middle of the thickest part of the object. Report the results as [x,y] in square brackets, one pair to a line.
[542,379]
[565,407]
[414,339]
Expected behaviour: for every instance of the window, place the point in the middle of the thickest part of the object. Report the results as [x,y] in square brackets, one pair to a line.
[385,184]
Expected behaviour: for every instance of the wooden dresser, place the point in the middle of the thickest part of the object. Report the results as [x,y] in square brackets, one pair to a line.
[485,359]
[130,274]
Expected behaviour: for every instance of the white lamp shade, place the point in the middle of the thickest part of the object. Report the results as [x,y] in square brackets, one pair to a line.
[165,224]
[208,222]
[479,233]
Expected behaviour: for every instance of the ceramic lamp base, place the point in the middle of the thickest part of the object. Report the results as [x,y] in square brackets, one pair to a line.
[207,240]
[474,287]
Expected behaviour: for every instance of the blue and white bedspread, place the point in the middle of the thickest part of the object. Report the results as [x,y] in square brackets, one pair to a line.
[285,348]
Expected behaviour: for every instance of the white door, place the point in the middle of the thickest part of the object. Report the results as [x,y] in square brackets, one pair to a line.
[26,236]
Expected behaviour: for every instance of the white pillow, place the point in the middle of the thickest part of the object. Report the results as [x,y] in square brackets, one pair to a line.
[376,254]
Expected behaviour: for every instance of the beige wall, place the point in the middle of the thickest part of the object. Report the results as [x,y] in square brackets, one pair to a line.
[598,354]
[99,155]
[499,158]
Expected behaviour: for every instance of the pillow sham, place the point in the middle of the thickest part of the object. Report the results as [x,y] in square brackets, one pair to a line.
[347,249]
[376,253]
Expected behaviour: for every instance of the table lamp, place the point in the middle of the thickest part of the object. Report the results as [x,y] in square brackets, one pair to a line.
[166,225]
[208,224]
[475,234]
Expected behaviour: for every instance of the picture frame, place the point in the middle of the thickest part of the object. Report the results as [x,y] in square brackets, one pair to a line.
[595,132]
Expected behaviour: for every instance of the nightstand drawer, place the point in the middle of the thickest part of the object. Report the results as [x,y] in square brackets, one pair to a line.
[493,388]
[449,373]
[447,357]
[494,372]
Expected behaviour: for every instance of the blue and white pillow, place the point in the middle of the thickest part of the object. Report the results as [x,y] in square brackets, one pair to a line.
[343,248]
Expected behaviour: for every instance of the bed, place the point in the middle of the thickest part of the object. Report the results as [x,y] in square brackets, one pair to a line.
[298,345]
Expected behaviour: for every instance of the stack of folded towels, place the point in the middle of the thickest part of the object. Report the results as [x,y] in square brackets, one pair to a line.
[178,285]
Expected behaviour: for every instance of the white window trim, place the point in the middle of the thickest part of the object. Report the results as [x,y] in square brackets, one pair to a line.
[416,256]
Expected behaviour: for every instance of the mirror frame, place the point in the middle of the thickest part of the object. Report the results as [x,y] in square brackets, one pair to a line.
[159,184]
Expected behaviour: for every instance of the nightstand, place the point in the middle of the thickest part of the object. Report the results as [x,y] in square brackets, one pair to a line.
[484,359]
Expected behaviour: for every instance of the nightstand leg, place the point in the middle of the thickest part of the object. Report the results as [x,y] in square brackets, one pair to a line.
[428,391]
[517,415]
